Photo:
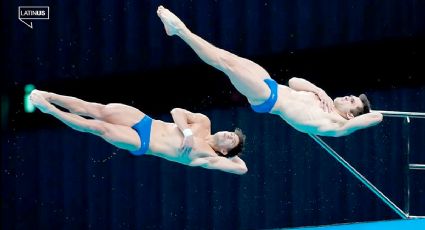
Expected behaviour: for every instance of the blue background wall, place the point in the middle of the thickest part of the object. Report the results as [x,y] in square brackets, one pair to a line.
[117,51]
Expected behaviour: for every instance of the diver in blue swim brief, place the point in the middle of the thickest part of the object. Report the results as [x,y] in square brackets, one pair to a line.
[130,129]
[303,105]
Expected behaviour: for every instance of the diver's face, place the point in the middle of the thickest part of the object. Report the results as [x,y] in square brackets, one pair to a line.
[347,104]
[226,140]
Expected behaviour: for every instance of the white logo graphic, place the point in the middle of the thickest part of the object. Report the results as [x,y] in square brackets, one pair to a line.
[28,13]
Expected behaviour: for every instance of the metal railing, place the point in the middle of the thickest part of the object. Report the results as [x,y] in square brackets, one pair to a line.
[401,114]
[403,214]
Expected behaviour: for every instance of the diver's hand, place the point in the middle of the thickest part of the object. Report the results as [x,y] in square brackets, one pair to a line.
[326,103]
[187,144]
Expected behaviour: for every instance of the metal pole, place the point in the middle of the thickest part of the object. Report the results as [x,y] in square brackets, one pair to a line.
[359,176]
[417,166]
[406,168]
[401,114]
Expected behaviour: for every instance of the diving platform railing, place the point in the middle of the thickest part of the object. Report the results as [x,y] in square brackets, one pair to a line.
[401,114]
[403,214]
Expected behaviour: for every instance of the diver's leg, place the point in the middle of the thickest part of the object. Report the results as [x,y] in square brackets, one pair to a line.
[120,136]
[247,76]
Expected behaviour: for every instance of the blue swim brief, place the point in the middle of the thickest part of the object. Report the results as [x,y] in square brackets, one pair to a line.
[143,128]
[267,106]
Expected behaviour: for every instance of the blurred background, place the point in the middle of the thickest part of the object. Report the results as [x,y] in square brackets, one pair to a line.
[53,177]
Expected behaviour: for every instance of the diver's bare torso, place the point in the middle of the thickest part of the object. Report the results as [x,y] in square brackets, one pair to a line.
[166,142]
[302,110]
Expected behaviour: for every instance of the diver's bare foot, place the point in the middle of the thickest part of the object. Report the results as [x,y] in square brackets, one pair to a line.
[172,24]
[45,94]
[37,99]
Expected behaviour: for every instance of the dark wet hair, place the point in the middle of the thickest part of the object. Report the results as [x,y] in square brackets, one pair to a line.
[362,110]
[237,150]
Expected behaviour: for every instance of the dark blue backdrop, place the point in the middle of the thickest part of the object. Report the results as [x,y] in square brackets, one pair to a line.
[117,51]
[87,39]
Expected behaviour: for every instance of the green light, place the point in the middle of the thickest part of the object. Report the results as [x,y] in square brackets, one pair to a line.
[28,106]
